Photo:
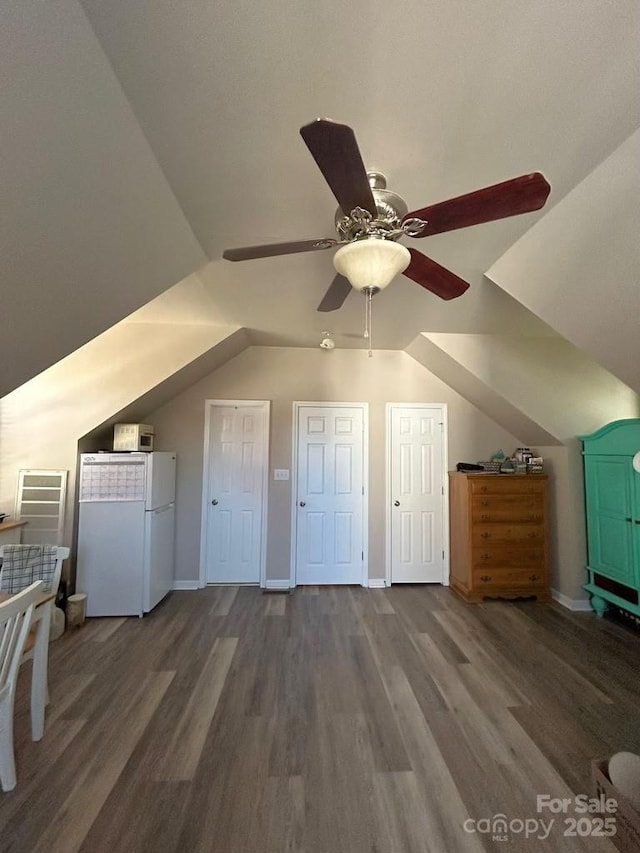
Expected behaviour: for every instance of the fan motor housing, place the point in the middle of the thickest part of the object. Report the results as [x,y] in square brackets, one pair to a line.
[390,207]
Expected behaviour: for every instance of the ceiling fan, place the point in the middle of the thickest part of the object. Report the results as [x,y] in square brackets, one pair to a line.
[372,216]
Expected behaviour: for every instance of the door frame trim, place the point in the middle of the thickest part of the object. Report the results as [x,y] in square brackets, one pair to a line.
[445,485]
[297,405]
[209,406]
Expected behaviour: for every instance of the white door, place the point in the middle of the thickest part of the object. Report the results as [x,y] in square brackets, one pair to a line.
[330,495]
[417,494]
[237,471]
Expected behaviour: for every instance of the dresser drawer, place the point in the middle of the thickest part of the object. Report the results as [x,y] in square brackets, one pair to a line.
[519,507]
[507,484]
[507,557]
[520,578]
[507,534]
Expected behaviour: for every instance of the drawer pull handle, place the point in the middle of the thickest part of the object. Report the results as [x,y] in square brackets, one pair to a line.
[485,557]
[485,535]
[533,578]
[485,517]
[532,535]
[628,519]
[484,503]
[485,578]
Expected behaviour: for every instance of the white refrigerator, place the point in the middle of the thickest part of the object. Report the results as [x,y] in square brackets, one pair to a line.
[126,522]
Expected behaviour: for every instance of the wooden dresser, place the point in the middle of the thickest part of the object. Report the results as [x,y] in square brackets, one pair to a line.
[499,535]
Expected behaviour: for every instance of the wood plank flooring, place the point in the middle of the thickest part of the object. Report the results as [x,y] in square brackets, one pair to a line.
[331,720]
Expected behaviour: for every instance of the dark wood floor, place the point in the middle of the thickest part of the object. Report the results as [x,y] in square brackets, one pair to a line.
[333,720]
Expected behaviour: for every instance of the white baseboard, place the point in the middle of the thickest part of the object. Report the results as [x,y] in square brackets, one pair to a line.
[279,584]
[186,585]
[377,583]
[581,605]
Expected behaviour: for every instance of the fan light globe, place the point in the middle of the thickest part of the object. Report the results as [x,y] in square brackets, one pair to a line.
[371,263]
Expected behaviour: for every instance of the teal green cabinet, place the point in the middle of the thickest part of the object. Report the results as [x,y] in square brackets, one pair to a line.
[612,496]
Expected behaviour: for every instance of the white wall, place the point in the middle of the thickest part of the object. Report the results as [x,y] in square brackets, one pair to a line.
[284,375]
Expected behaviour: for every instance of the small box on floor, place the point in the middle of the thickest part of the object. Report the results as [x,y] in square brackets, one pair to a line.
[627,837]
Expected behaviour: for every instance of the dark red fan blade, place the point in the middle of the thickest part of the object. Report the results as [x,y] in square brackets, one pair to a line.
[248,253]
[335,150]
[338,291]
[510,198]
[433,277]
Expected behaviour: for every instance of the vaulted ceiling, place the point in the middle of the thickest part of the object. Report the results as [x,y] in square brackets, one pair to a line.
[145,136]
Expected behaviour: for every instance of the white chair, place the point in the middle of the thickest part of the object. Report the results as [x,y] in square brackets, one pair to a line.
[16,616]
[38,652]
[27,575]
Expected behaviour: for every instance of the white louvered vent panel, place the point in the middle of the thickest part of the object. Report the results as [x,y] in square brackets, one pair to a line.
[40,501]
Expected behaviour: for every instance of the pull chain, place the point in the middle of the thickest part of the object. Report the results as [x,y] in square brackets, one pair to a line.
[366,317]
[368,333]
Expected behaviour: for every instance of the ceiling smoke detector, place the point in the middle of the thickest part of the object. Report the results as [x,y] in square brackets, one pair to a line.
[327,341]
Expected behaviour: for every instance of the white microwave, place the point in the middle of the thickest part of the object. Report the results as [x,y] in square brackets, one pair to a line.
[133,437]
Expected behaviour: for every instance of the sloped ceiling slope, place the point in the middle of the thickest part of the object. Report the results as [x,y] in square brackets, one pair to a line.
[594,301]
[184,377]
[41,422]
[90,229]
[494,403]
[444,98]
[549,382]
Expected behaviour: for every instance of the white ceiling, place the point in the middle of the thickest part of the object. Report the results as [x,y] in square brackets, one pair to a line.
[190,112]
[445,97]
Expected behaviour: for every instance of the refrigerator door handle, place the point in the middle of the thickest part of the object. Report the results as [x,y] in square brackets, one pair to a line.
[163,508]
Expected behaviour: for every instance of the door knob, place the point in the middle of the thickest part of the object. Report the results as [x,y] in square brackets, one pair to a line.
[302,503]
[396,503]
[214,502]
